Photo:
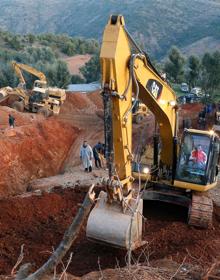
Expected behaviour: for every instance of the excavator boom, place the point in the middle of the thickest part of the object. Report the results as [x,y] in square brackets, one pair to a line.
[117,216]
[19,66]
[123,72]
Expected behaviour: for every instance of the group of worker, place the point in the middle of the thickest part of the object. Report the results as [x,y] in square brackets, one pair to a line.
[87,154]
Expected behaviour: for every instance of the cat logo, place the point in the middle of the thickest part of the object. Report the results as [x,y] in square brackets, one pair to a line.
[154,87]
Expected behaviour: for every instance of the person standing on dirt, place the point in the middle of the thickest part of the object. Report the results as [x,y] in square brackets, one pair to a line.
[86,155]
[11,121]
[96,152]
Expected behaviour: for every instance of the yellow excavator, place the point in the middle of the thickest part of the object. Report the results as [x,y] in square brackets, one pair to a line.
[41,83]
[41,99]
[182,170]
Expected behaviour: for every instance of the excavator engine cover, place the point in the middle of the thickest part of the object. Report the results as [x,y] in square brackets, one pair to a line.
[107,223]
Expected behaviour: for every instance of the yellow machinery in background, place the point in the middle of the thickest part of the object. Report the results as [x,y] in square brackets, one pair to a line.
[41,83]
[41,99]
[174,175]
[139,111]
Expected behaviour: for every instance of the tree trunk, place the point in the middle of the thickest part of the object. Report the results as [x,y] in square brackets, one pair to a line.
[68,238]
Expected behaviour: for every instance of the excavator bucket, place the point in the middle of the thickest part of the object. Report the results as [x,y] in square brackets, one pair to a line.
[108,224]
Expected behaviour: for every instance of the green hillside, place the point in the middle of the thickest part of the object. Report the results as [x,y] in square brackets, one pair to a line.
[45,52]
[157,24]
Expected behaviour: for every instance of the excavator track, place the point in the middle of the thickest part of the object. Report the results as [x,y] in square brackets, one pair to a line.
[200,211]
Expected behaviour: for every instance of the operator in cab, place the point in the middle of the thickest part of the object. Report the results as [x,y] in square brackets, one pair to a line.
[198,157]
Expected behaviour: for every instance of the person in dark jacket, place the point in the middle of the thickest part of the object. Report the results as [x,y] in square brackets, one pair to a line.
[97,149]
[11,121]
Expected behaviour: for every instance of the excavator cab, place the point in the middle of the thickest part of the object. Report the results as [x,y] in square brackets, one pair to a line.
[198,159]
[40,84]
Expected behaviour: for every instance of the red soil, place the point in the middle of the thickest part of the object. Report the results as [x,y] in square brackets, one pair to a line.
[38,147]
[75,62]
[35,148]
[96,98]
[190,111]
[40,221]
[35,152]
[75,102]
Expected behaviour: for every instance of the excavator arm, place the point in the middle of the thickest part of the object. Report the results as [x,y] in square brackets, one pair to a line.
[19,66]
[122,74]
[18,72]
[161,100]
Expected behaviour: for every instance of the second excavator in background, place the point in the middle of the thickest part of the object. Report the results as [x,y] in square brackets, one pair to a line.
[40,99]
[182,171]
[139,111]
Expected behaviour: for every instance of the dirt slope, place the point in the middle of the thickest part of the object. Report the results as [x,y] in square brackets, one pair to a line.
[34,148]
[81,111]
[75,62]
[39,147]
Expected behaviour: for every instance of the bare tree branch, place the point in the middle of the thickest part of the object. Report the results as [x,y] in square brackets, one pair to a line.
[68,238]
[20,258]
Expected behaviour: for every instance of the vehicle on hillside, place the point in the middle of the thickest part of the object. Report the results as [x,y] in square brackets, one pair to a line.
[192,98]
[196,90]
[189,98]
[184,87]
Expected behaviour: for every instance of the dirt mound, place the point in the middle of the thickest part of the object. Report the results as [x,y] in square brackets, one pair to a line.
[35,148]
[190,111]
[75,102]
[36,151]
[169,236]
[96,98]
[137,273]
[82,102]
[38,222]
[38,147]
[20,118]
[194,107]
[80,110]
[161,270]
